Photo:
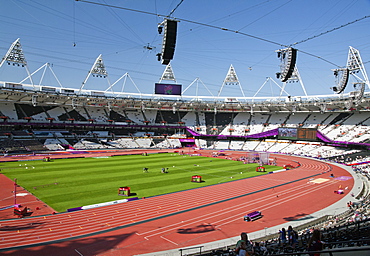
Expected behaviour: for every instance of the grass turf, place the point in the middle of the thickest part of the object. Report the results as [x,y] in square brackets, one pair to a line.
[68,183]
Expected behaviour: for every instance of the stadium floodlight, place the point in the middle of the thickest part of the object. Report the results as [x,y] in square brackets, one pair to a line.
[231,79]
[97,70]
[288,58]
[16,56]
[354,68]
[168,74]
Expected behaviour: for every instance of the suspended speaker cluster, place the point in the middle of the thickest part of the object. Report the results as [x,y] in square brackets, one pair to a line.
[358,94]
[169,28]
[341,77]
[288,58]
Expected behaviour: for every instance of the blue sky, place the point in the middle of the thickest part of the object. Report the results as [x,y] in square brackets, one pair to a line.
[70,35]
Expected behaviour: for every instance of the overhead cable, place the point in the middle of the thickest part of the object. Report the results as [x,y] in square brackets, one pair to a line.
[331,30]
[185,20]
[236,31]
[177,6]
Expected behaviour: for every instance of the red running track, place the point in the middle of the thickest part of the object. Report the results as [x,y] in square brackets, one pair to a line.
[179,220]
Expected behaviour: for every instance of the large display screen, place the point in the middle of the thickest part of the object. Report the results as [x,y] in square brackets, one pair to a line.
[287,133]
[306,134]
[167,89]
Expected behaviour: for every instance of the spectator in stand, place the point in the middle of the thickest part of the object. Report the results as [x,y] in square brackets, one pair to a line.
[292,236]
[282,237]
[263,249]
[244,247]
[259,249]
[315,244]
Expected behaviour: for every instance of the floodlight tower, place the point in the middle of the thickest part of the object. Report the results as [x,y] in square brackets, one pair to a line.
[231,79]
[354,67]
[97,70]
[15,55]
[295,77]
[168,74]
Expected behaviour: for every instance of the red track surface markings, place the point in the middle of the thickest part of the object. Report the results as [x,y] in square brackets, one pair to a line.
[182,219]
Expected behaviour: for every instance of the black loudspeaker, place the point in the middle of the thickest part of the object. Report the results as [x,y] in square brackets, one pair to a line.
[290,58]
[169,41]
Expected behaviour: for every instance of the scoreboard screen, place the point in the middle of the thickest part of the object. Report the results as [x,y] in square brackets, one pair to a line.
[287,133]
[167,89]
[306,134]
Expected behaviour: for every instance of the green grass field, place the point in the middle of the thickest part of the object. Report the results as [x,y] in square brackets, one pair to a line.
[68,183]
